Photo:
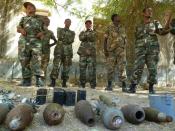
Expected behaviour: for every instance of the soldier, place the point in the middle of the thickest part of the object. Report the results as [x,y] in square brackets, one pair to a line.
[31,29]
[48,35]
[87,53]
[114,49]
[63,54]
[147,50]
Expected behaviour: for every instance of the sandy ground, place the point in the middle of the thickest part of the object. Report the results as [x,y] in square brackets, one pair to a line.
[70,122]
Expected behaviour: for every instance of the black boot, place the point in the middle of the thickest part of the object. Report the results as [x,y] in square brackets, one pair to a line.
[82,85]
[64,84]
[109,86]
[132,88]
[53,82]
[124,89]
[39,81]
[25,82]
[93,86]
[151,89]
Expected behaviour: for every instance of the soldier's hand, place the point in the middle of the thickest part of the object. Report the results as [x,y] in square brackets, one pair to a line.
[40,35]
[105,35]
[23,32]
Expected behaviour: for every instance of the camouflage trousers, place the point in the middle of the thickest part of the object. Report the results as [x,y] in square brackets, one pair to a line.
[116,59]
[30,57]
[45,62]
[146,53]
[25,68]
[61,60]
[87,66]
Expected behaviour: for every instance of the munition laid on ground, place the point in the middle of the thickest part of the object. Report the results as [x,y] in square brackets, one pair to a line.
[112,117]
[19,117]
[4,109]
[84,112]
[106,100]
[154,115]
[133,113]
[53,114]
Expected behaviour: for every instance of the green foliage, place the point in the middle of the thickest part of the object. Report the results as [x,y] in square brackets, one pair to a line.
[69,6]
[48,2]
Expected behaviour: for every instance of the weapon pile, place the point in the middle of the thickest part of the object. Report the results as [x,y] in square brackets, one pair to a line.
[18,113]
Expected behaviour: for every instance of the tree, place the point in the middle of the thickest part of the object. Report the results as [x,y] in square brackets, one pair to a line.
[7,10]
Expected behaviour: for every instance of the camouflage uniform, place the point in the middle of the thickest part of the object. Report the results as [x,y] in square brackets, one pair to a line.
[48,34]
[30,46]
[116,42]
[87,52]
[147,52]
[63,53]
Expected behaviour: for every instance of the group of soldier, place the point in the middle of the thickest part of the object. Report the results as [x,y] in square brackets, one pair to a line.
[34,50]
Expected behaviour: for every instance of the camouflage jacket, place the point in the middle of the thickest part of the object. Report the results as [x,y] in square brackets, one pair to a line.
[116,37]
[48,35]
[65,40]
[32,25]
[65,36]
[146,32]
[87,46]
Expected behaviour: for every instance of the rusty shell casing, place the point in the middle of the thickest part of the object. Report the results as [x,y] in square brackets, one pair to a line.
[19,117]
[84,112]
[154,115]
[133,113]
[53,114]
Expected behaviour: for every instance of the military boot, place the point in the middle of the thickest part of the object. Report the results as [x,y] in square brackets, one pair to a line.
[25,82]
[93,87]
[64,84]
[109,86]
[82,85]
[39,81]
[151,89]
[53,82]
[124,89]
[132,88]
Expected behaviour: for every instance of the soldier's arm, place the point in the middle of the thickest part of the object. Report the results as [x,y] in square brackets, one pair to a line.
[160,30]
[71,39]
[40,35]
[105,42]
[124,36]
[20,28]
[59,34]
[82,36]
[54,39]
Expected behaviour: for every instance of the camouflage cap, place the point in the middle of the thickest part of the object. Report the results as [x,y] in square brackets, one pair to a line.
[28,3]
[88,21]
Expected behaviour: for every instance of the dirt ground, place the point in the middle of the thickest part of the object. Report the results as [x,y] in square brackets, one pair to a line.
[70,122]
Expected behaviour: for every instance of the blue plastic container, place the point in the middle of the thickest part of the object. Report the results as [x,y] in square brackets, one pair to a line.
[163,103]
